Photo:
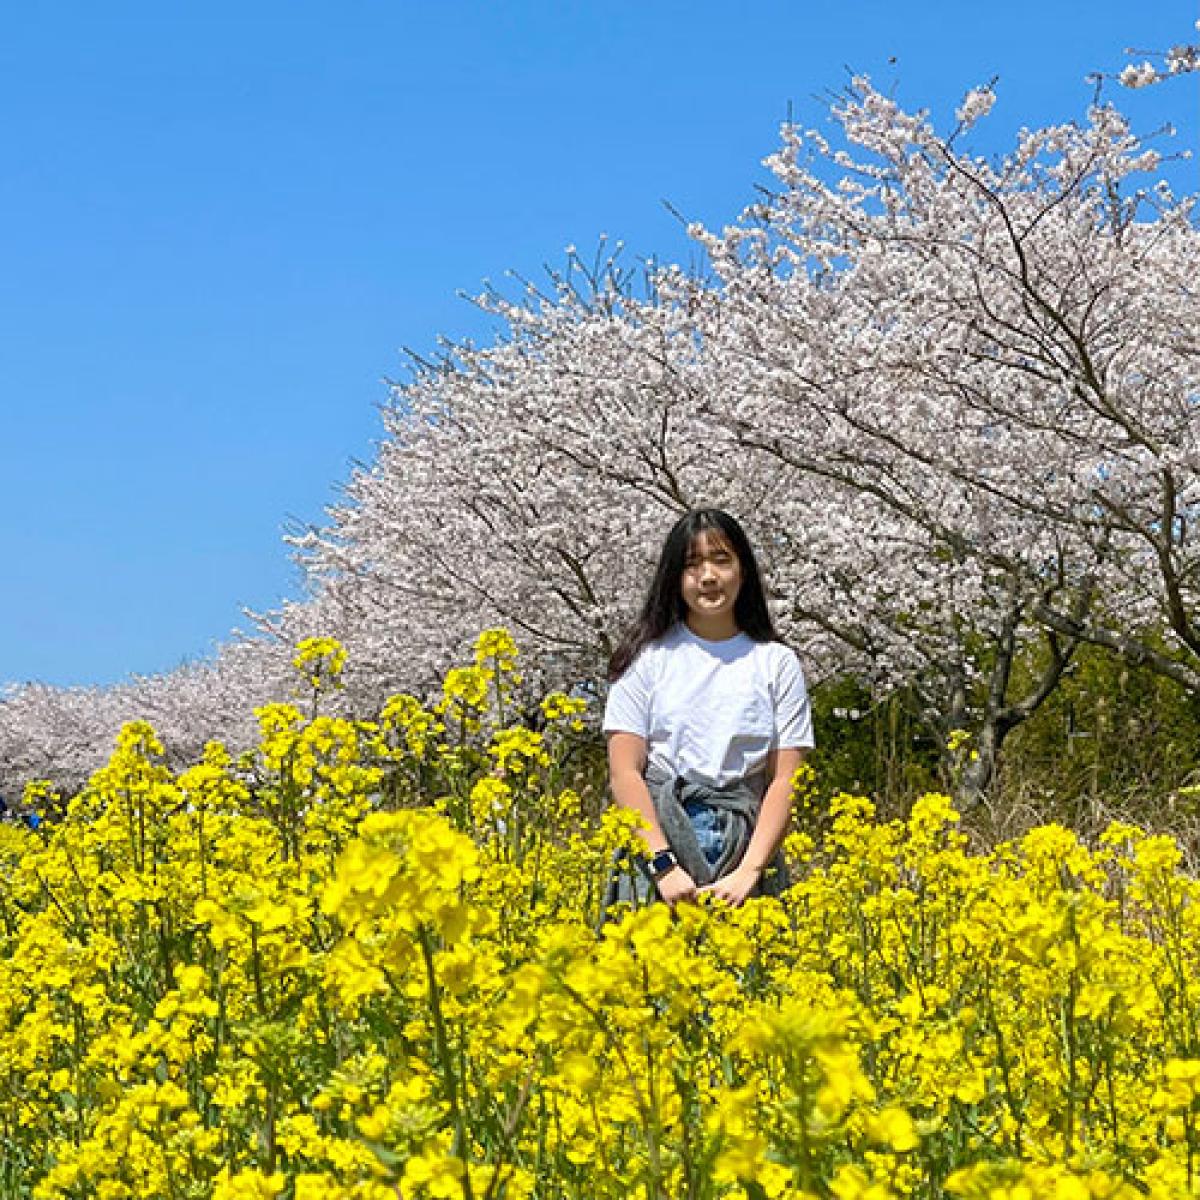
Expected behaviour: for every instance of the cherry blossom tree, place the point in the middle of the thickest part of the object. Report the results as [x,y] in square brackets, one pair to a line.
[530,482]
[953,399]
[997,358]
[65,734]
[1181,59]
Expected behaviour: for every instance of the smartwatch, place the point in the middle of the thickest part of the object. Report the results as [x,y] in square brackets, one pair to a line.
[661,864]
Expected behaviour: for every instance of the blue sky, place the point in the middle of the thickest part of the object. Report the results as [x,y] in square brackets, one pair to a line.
[220,223]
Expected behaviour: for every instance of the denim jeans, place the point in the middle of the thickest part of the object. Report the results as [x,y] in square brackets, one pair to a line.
[709,824]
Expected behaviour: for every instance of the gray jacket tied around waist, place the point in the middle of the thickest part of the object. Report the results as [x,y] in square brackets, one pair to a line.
[737,802]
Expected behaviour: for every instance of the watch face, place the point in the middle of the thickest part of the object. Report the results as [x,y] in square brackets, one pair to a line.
[662,862]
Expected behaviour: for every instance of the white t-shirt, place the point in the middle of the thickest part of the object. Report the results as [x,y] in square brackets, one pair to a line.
[711,711]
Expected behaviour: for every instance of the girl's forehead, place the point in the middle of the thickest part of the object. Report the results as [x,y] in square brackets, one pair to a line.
[709,541]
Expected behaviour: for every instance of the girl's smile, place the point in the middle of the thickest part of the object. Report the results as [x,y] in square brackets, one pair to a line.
[712,579]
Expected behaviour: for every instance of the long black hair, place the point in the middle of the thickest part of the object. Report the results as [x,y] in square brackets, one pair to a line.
[664,604]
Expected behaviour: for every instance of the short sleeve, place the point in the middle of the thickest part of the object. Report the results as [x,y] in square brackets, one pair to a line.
[793,713]
[628,707]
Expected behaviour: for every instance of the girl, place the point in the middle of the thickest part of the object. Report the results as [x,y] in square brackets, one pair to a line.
[707,719]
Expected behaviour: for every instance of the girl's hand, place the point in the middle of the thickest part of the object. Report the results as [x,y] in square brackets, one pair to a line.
[736,886]
[676,886]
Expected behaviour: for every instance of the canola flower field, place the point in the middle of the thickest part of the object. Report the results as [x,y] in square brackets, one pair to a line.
[367,961]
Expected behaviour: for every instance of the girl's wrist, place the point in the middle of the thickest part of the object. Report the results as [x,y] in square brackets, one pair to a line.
[661,863]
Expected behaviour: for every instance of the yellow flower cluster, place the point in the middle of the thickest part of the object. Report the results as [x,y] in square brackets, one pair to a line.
[368,960]
[320,661]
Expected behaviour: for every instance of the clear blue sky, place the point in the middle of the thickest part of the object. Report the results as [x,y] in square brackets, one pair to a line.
[221,222]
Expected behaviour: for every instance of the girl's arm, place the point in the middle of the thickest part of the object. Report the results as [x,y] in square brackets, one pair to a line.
[773,817]
[626,765]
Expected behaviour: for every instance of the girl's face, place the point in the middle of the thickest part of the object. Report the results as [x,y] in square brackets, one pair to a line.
[712,577]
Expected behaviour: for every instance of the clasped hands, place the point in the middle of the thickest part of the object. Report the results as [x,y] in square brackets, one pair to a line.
[678,887]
